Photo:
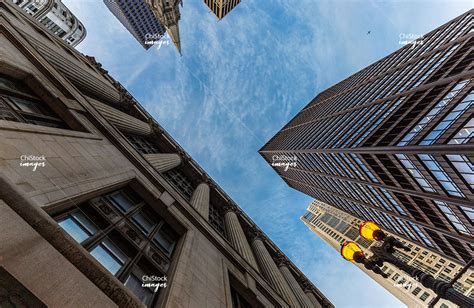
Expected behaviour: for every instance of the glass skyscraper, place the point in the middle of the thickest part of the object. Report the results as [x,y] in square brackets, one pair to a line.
[138,18]
[393,142]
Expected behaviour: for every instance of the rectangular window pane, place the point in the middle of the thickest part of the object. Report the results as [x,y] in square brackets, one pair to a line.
[85,222]
[464,166]
[74,230]
[109,256]
[415,172]
[142,222]
[166,240]
[438,172]
[448,120]
[135,285]
[121,201]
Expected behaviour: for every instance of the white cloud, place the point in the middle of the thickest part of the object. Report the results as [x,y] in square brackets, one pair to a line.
[241,79]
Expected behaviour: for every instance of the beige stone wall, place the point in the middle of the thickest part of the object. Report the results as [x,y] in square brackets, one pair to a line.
[41,268]
[83,163]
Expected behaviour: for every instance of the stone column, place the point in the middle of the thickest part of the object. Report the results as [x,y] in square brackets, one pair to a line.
[163,162]
[121,120]
[294,285]
[308,290]
[200,199]
[237,237]
[270,270]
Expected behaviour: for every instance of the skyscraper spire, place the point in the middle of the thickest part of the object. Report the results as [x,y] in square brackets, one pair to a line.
[168,14]
[173,32]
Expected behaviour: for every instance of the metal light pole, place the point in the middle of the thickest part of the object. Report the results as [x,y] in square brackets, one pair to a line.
[384,253]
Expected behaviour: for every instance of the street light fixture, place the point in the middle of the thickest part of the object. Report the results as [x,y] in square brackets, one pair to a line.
[384,253]
[351,251]
[371,231]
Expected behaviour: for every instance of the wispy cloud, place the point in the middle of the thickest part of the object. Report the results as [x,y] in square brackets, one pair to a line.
[241,79]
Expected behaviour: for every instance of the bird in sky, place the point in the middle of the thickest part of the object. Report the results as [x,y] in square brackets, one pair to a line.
[368,32]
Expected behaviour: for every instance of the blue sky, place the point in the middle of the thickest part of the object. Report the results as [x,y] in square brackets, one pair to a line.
[241,79]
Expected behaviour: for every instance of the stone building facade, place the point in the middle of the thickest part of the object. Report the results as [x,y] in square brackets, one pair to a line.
[56,17]
[97,200]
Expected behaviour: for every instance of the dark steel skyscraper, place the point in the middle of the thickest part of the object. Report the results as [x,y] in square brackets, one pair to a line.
[393,142]
[221,7]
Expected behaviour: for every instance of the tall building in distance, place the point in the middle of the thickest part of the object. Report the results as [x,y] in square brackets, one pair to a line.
[138,18]
[221,7]
[101,207]
[167,12]
[56,17]
[336,227]
[393,142]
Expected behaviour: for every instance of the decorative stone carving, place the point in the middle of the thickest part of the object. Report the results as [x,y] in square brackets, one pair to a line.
[229,208]
[159,260]
[104,209]
[126,102]
[183,155]
[281,260]
[306,285]
[254,234]
[96,64]
[156,129]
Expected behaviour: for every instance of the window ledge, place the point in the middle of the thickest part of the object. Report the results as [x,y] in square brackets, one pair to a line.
[38,129]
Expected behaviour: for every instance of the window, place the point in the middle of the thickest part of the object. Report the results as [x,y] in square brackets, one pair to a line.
[449,119]
[424,296]
[121,201]
[380,119]
[180,181]
[166,240]
[465,134]
[238,301]
[438,172]
[464,166]
[421,234]
[78,226]
[143,221]
[124,234]
[392,200]
[443,103]
[352,233]
[453,218]
[143,145]
[415,172]
[416,291]
[469,212]
[364,167]
[109,255]
[135,285]
[19,104]
[216,219]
